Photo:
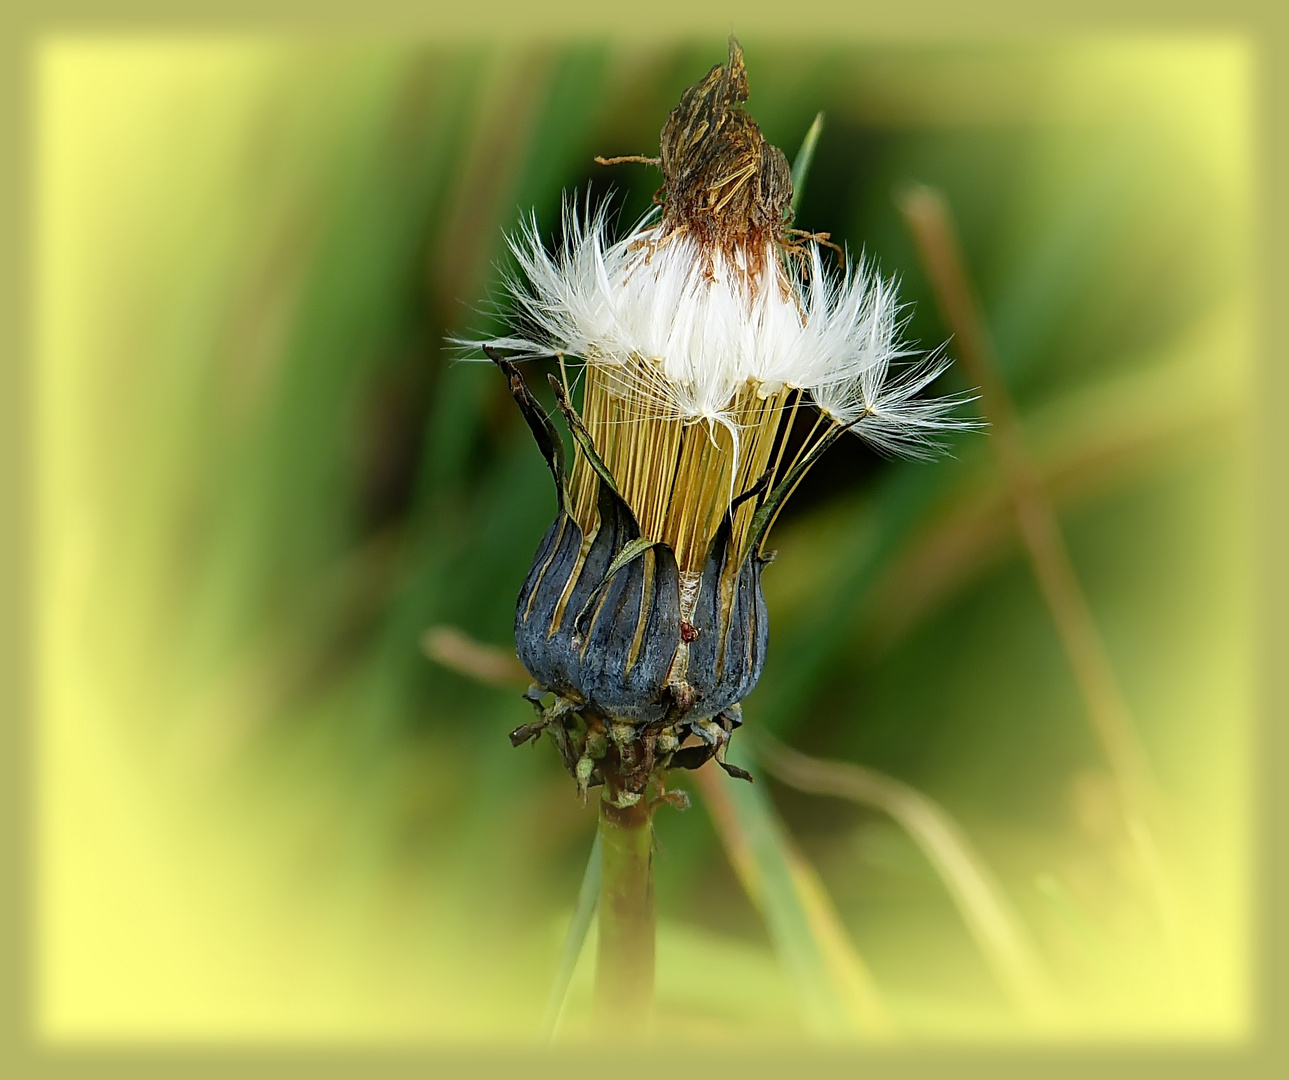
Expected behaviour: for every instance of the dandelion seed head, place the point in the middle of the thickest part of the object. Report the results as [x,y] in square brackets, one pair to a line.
[700,334]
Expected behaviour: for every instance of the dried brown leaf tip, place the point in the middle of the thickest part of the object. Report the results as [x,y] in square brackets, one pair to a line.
[723,182]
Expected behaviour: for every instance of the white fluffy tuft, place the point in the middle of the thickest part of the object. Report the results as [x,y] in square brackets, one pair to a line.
[704,326]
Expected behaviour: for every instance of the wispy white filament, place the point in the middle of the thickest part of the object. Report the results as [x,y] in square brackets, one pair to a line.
[691,327]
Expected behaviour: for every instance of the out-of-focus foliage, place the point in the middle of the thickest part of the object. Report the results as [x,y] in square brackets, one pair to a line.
[264,814]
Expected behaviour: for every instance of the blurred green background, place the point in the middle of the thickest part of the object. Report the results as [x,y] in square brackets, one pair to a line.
[263,814]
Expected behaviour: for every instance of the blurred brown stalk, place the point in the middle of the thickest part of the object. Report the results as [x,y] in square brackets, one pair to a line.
[927,215]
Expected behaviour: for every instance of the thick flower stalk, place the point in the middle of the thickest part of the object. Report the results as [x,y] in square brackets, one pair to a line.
[718,359]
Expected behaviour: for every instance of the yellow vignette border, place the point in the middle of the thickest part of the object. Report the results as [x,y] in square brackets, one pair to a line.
[25,24]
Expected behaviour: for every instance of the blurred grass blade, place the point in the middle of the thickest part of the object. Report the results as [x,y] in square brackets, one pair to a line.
[457,651]
[1090,938]
[587,898]
[805,156]
[929,219]
[994,924]
[836,993]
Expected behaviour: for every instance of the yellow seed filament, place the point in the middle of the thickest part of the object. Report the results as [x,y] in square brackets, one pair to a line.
[678,476]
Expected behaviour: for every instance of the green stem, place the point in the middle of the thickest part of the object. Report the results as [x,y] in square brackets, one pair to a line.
[625,964]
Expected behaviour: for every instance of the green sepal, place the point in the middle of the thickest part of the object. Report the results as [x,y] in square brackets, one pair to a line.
[547,438]
[633,550]
[583,437]
[765,512]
